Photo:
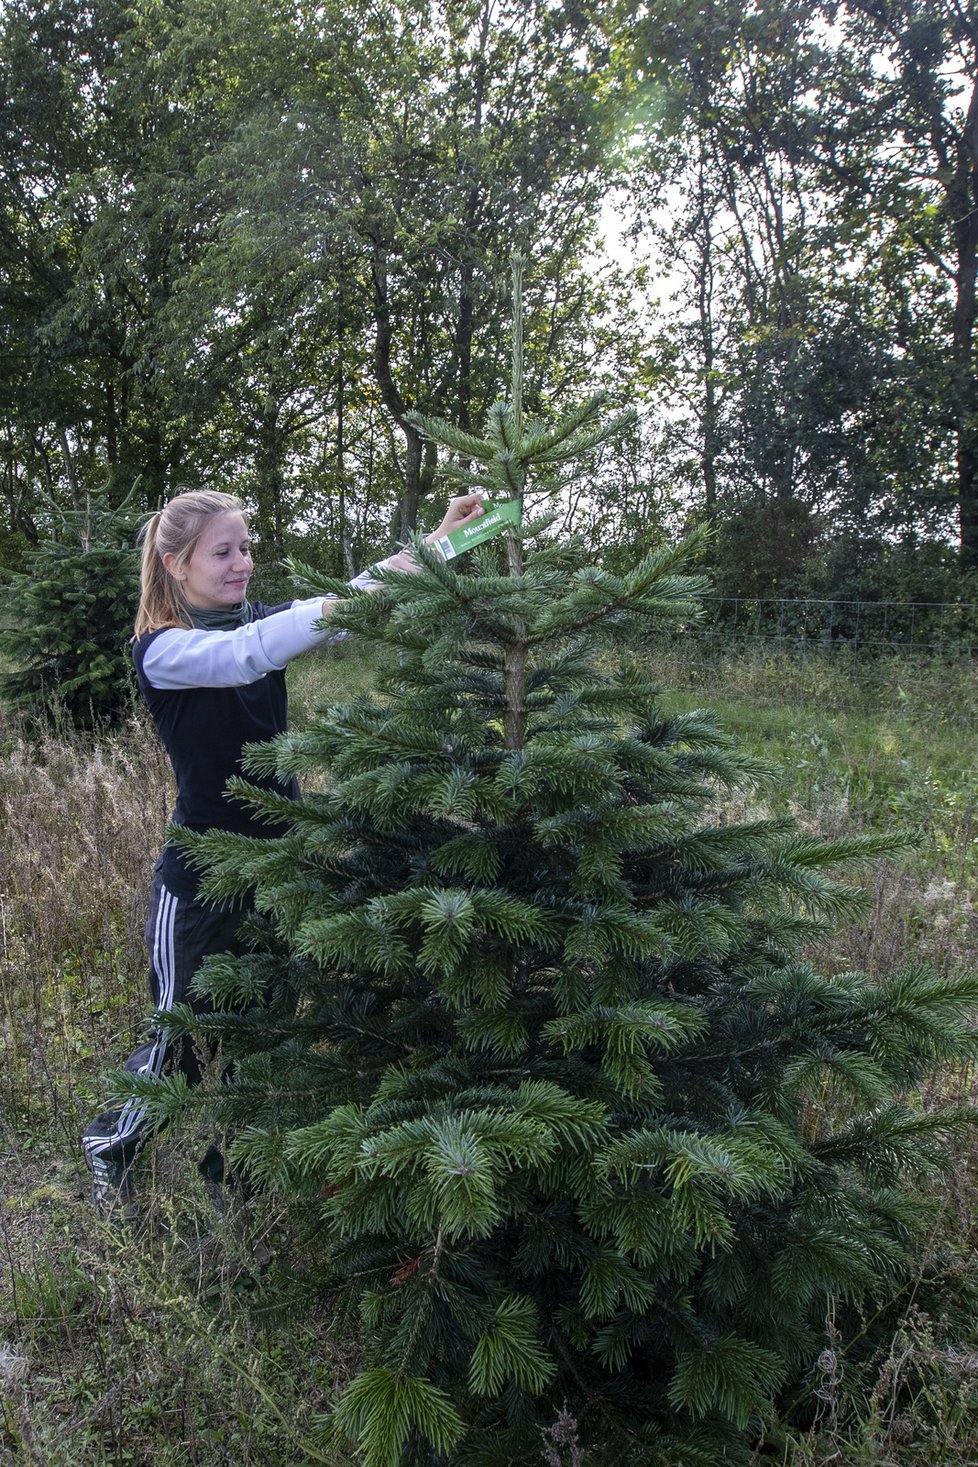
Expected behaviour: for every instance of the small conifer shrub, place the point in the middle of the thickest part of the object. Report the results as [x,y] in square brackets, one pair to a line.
[68,616]
[575,1131]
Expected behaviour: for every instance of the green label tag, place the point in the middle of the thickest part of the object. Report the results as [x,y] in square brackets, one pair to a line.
[502,515]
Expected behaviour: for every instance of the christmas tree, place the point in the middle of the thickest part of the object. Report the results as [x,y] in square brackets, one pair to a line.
[575,1132]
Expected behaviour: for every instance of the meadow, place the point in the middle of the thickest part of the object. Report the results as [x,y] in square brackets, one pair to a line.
[151,1343]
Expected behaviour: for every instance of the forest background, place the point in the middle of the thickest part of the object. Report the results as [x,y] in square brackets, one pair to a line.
[238,245]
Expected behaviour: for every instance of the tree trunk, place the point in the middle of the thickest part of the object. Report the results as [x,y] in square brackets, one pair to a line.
[111,424]
[465,321]
[704,307]
[269,519]
[514,681]
[411,493]
[345,537]
[963,204]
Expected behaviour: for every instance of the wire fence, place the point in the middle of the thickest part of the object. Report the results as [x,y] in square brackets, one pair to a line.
[923,628]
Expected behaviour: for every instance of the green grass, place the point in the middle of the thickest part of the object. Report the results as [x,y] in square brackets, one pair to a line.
[891,768]
[886,742]
[333,675]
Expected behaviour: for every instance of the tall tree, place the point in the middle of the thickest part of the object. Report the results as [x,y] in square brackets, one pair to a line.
[902,145]
[242,235]
[105,197]
[481,135]
[807,361]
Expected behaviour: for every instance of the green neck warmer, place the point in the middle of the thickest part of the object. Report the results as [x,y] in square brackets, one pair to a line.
[225,619]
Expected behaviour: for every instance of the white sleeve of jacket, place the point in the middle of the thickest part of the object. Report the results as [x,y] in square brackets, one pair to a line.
[184,658]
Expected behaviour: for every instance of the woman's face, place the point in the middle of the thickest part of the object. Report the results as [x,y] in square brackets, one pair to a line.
[217,574]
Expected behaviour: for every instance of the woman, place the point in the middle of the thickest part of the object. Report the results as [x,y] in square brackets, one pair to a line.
[211,668]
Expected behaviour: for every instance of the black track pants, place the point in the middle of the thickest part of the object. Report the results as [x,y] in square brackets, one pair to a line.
[180,933]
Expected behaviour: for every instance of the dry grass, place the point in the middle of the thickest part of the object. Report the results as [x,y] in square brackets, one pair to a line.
[79,830]
[116,1346]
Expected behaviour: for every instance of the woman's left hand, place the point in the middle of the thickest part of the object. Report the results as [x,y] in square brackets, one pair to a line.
[461,511]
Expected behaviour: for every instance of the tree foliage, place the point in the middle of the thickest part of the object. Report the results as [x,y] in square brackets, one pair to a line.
[68,616]
[249,262]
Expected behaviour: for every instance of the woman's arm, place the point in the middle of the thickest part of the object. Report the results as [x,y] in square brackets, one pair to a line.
[185,658]
[192,658]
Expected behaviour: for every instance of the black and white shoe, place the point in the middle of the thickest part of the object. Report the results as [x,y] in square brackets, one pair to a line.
[111,1189]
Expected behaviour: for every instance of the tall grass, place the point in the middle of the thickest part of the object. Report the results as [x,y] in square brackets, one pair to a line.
[141,1346]
[862,744]
[80,826]
[941,690]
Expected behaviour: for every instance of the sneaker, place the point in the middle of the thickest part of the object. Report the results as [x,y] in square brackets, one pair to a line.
[111,1190]
[212,1166]
[216,1171]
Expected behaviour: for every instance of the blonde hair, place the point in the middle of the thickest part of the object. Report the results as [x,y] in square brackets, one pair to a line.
[174,530]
